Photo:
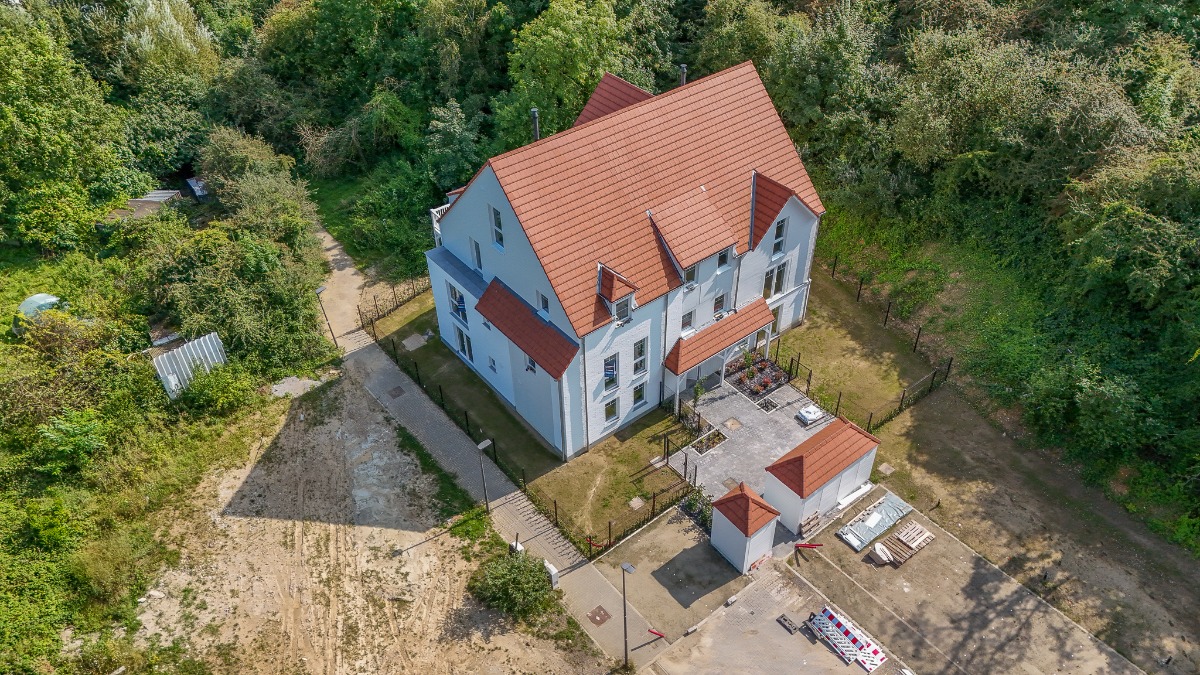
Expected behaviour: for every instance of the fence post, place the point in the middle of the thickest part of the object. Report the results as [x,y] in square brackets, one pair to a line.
[374,331]
[777,343]
[833,270]
[441,398]
[556,513]
[919,329]
[495,455]
[362,319]
[838,409]
[412,283]
[685,466]
[858,296]
[903,394]
[887,313]
[524,482]
[395,351]
[653,503]
[808,385]
[395,298]
[609,534]
[932,381]
[948,370]
[870,417]
[467,423]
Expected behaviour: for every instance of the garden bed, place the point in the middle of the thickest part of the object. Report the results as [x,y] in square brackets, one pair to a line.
[708,441]
[756,378]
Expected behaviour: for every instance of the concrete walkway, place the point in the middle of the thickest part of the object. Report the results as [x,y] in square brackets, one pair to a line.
[584,588]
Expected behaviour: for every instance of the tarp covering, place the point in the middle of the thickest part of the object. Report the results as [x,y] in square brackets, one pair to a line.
[874,521]
[177,367]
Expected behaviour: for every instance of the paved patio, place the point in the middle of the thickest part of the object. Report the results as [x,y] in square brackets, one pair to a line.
[754,438]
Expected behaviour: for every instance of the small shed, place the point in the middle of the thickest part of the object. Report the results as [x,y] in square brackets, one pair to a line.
[198,188]
[743,527]
[178,367]
[816,475]
[31,307]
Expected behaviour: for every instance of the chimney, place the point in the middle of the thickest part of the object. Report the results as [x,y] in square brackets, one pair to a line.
[537,129]
[682,74]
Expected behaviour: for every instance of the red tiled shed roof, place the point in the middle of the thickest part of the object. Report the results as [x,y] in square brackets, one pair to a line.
[692,227]
[769,199]
[547,345]
[745,509]
[581,195]
[827,453]
[613,286]
[609,96]
[691,351]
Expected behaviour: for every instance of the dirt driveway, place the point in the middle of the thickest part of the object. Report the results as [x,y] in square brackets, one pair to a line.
[1021,508]
[323,555]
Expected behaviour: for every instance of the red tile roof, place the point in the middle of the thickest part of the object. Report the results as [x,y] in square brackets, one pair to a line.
[547,345]
[745,509]
[609,96]
[827,453]
[613,286]
[692,227]
[581,195]
[691,351]
[769,199]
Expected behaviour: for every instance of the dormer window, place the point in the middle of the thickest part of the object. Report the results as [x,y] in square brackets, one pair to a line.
[780,233]
[497,229]
[723,259]
[621,308]
[689,275]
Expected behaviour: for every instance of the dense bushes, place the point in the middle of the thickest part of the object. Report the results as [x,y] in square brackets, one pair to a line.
[514,584]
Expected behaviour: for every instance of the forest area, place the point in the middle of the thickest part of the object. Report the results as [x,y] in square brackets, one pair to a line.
[1050,149]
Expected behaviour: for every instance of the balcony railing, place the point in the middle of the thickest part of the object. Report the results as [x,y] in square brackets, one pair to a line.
[438,212]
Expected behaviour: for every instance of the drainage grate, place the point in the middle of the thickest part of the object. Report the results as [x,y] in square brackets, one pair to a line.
[396,392]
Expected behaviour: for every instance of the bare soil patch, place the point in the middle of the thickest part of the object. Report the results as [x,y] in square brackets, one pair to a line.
[1024,510]
[324,554]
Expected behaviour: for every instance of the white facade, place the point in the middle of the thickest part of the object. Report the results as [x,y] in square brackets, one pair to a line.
[794,509]
[741,551]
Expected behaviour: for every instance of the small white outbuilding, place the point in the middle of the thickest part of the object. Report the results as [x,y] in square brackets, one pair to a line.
[819,473]
[743,527]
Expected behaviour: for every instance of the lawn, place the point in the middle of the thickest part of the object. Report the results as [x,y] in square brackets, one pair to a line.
[589,490]
[849,351]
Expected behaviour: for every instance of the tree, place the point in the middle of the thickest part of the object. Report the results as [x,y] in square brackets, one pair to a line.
[557,60]
[514,584]
[736,31]
[452,146]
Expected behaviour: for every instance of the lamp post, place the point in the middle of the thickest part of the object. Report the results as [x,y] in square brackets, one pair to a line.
[319,291]
[626,568]
[483,474]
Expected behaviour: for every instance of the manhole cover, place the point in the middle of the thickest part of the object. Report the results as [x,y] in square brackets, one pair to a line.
[598,616]
[733,424]
[414,342]
[886,469]
[730,483]
[636,503]
[395,392]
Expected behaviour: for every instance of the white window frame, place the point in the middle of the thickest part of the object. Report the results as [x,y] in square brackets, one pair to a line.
[492,363]
[543,304]
[719,300]
[639,395]
[497,228]
[780,237]
[623,308]
[728,255]
[476,255]
[639,362]
[689,274]
[530,364]
[775,281]
[455,294]
[616,410]
[611,383]
[464,344]
[688,321]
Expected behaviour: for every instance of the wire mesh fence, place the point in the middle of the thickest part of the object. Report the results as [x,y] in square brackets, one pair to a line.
[383,303]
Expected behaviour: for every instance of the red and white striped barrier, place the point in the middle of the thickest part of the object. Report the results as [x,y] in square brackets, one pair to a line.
[846,640]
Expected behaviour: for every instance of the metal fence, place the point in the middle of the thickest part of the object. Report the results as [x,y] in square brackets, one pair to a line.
[383,303]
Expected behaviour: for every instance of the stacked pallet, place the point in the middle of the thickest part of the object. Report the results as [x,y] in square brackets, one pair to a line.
[906,541]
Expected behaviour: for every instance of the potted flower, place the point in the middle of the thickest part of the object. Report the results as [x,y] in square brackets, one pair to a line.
[766,381]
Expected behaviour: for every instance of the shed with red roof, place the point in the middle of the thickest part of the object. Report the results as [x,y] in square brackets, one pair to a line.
[743,527]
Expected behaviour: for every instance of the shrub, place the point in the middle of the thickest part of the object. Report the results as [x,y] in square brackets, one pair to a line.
[68,442]
[220,391]
[514,584]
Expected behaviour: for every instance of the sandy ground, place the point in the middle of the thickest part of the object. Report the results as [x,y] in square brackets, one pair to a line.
[322,555]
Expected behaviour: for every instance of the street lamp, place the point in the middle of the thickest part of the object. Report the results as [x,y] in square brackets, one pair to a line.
[482,474]
[319,291]
[626,568]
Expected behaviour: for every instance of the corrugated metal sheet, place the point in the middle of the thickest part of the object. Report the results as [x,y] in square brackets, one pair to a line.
[177,367]
[874,521]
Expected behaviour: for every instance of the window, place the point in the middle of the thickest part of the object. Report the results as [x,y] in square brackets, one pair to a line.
[530,365]
[477,255]
[497,228]
[639,356]
[464,344]
[687,321]
[621,309]
[492,364]
[610,373]
[775,323]
[780,232]
[689,275]
[774,281]
[639,394]
[719,304]
[723,258]
[610,411]
[458,303]
[543,304]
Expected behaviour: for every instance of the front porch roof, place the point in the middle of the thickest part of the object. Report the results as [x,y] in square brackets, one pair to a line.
[548,346]
[691,351]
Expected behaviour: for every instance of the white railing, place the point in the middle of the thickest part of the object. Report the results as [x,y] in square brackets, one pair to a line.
[438,212]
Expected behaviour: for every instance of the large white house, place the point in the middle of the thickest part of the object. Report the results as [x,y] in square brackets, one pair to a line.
[596,272]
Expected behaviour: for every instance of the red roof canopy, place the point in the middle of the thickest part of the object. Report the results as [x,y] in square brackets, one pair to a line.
[827,453]
[769,199]
[581,195]
[691,351]
[520,322]
[609,96]
[613,286]
[745,509]
[692,227]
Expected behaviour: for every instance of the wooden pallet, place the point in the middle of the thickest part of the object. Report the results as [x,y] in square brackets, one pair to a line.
[906,541]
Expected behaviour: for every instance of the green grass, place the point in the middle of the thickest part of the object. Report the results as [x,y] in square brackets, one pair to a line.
[451,498]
